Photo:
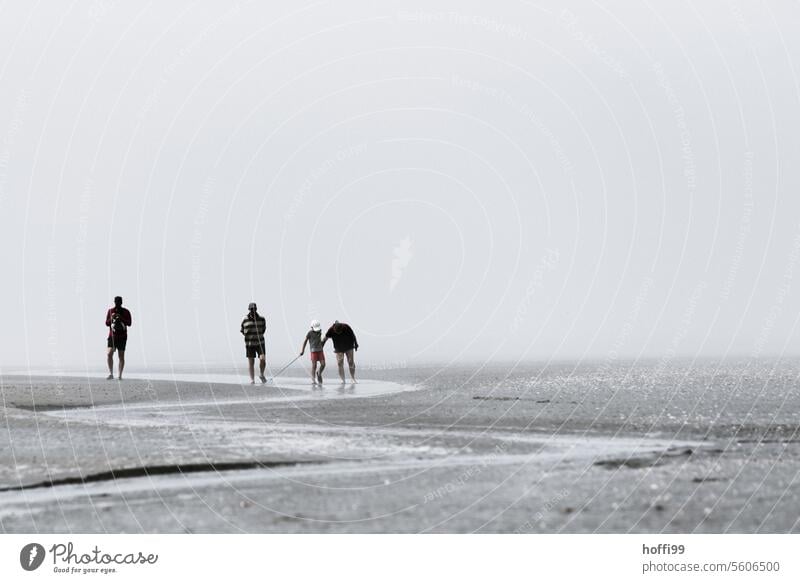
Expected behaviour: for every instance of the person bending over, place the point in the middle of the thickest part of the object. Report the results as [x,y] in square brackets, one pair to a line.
[344,343]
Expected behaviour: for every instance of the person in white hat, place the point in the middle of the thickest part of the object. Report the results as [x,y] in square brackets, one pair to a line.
[314,340]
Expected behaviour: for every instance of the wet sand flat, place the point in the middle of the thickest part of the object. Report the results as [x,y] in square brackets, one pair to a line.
[424,455]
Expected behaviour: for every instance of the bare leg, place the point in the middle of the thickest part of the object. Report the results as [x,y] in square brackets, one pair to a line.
[340,362]
[251,368]
[262,365]
[351,363]
[110,359]
[121,355]
[314,371]
[321,368]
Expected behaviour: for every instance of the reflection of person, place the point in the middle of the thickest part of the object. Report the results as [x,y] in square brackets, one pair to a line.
[118,319]
[315,342]
[253,327]
[344,343]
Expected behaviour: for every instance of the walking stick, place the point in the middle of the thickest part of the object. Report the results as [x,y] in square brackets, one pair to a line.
[287,366]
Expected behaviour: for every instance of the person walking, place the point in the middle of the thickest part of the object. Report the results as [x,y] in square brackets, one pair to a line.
[344,343]
[314,340]
[118,320]
[253,327]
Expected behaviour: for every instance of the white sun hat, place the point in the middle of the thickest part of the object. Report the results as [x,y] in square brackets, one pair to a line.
[315,325]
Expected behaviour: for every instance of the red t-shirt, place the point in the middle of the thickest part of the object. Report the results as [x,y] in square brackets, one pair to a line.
[125,315]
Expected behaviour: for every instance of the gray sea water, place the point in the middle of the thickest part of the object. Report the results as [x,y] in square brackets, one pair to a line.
[657,446]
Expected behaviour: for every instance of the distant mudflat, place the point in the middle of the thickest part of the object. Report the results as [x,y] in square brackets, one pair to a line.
[413,451]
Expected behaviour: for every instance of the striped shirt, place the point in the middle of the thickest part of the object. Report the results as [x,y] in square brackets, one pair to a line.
[253,330]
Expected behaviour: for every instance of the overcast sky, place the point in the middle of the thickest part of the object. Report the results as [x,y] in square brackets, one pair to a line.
[458,180]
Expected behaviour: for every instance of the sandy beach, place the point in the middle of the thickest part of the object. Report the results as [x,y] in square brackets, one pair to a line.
[689,447]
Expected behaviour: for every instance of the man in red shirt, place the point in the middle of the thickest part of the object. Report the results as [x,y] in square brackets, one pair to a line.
[117,319]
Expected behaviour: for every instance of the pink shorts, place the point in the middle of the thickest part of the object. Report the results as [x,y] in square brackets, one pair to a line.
[318,356]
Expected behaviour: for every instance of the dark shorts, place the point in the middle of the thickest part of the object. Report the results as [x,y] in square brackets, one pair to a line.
[253,351]
[117,343]
[341,354]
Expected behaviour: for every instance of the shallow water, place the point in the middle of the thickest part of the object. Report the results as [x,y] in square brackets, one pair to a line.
[646,447]
[283,388]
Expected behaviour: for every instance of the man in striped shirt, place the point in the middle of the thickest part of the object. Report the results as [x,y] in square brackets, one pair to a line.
[253,327]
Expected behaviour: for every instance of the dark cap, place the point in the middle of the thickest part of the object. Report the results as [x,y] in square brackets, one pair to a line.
[118,300]
[252,306]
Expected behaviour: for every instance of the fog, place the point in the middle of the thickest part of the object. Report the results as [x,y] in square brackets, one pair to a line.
[460,182]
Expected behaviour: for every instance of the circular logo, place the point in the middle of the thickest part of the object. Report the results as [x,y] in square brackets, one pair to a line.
[31,556]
